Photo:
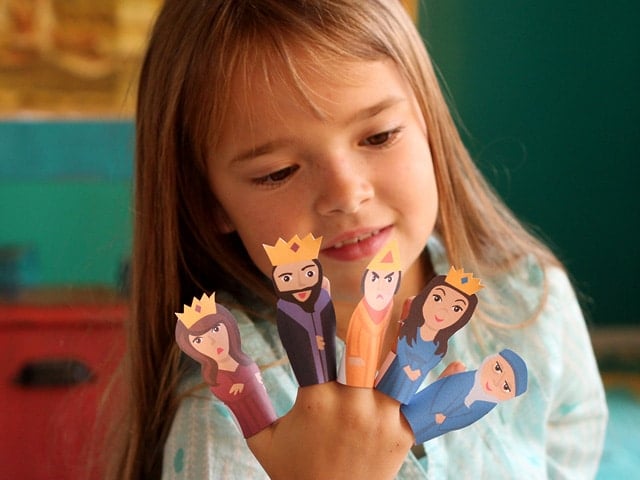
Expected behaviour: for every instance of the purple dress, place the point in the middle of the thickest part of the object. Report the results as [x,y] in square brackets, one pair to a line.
[252,407]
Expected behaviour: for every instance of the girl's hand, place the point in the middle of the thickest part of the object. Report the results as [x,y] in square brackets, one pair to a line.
[334,431]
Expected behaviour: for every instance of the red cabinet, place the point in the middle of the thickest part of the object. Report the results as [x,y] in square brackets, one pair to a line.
[56,361]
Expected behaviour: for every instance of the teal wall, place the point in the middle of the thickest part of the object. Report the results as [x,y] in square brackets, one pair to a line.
[65,192]
[547,96]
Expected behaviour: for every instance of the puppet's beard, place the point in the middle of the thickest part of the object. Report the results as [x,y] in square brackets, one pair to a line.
[309,304]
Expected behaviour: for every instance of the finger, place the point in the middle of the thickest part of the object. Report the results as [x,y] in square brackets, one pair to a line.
[453,367]
[406,306]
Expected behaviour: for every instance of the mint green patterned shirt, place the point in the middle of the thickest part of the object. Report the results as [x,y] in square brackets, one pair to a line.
[555,430]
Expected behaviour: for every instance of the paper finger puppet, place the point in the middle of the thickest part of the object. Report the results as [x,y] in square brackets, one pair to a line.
[458,400]
[442,308]
[207,332]
[305,316]
[370,319]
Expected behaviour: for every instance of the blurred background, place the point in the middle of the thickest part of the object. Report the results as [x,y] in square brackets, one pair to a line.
[545,94]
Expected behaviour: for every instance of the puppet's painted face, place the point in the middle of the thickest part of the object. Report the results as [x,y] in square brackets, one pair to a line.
[297,278]
[497,378]
[214,343]
[356,169]
[379,288]
[444,307]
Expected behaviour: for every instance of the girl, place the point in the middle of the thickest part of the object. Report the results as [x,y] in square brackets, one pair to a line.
[260,119]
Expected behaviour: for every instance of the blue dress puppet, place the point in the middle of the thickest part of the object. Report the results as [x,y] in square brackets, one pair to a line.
[459,400]
[442,308]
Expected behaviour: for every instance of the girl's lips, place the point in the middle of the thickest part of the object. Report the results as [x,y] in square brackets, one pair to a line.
[356,246]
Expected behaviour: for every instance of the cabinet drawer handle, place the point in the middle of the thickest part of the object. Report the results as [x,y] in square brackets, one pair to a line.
[57,372]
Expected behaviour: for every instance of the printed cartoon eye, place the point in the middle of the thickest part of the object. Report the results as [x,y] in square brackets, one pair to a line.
[389,278]
[382,139]
[506,387]
[457,308]
[497,367]
[197,340]
[374,277]
[286,278]
[437,298]
[216,328]
[310,274]
[274,178]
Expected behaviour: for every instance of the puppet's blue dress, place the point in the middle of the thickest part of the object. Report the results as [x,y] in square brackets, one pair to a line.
[421,355]
[445,396]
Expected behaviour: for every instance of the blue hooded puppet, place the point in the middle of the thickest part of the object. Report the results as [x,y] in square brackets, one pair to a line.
[458,400]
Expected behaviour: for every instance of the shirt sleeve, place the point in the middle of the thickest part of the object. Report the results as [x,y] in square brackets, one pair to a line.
[577,417]
[205,444]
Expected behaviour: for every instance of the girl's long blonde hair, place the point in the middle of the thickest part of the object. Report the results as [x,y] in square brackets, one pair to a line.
[197,51]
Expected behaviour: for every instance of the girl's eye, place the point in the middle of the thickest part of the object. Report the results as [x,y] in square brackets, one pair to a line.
[497,367]
[276,177]
[506,387]
[381,139]
[216,328]
[457,308]
[437,298]
[197,340]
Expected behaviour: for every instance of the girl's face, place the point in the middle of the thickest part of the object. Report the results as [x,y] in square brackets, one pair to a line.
[214,343]
[444,307]
[356,170]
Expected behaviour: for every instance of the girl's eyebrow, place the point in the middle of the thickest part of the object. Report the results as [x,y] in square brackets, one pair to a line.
[373,110]
[360,115]
[263,149]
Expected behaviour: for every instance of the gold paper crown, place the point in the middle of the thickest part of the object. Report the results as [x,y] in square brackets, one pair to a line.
[295,250]
[387,259]
[465,282]
[198,309]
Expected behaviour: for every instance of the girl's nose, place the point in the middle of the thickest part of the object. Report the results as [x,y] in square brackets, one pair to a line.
[343,187]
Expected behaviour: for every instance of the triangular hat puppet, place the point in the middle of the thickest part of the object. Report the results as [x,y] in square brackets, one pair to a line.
[387,259]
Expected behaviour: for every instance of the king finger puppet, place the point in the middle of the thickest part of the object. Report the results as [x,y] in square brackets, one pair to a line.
[305,316]
[370,318]
[461,399]
[207,332]
[442,308]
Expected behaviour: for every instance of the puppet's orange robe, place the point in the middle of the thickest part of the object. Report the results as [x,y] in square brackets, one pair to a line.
[365,335]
